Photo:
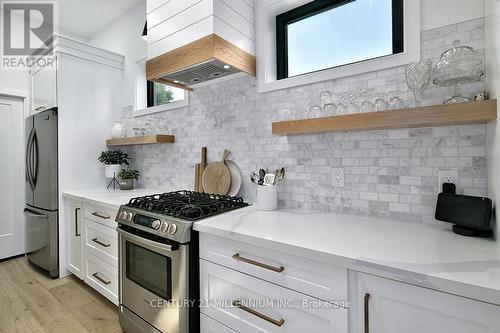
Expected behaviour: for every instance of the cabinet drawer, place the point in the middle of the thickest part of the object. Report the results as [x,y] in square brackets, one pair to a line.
[102,277]
[208,325]
[101,214]
[307,276]
[101,241]
[248,305]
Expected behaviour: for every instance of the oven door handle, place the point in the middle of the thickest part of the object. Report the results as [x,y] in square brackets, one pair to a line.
[145,241]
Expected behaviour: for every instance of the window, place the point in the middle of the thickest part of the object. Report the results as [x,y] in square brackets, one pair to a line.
[325,34]
[161,94]
[151,97]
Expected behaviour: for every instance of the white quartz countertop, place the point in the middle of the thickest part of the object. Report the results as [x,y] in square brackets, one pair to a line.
[424,255]
[109,197]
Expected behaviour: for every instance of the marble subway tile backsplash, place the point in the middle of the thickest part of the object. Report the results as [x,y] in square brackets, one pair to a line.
[388,173]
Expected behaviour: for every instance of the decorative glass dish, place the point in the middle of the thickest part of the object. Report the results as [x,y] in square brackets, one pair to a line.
[457,66]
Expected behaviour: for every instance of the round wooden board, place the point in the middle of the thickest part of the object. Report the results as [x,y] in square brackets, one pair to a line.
[216,178]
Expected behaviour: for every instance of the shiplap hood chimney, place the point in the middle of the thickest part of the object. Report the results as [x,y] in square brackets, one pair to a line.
[193,41]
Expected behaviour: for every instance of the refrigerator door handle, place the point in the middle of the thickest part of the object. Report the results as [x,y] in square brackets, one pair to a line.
[36,159]
[29,172]
[38,216]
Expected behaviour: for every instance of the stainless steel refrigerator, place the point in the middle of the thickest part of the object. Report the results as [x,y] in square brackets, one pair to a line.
[41,209]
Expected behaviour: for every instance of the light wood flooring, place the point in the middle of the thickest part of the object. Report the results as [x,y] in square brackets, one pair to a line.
[32,302]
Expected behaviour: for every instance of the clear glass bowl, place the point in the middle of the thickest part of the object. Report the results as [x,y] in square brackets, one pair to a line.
[458,65]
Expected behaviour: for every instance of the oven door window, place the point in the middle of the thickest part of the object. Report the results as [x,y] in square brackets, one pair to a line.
[150,270]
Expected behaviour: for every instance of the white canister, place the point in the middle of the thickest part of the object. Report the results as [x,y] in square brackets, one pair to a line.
[111,170]
[117,130]
[267,197]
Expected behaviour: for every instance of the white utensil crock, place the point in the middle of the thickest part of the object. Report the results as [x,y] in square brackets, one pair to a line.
[267,197]
[111,170]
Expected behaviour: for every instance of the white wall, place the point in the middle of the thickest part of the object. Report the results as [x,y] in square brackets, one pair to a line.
[493,85]
[124,37]
[438,13]
[15,80]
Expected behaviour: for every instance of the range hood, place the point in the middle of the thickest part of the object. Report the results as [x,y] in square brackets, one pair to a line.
[194,41]
[205,59]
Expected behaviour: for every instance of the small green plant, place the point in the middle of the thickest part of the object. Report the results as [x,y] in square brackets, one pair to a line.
[116,156]
[129,174]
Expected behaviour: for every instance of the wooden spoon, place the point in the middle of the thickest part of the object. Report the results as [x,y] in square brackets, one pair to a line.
[216,177]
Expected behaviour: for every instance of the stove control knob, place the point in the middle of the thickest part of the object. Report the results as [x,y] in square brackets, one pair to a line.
[128,217]
[172,229]
[121,216]
[156,224]
[164,227]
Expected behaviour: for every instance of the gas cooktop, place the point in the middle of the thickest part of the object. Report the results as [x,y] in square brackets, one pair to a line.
[187,205]
[170,215]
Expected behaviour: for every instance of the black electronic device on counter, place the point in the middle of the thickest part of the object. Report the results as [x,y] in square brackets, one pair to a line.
[470,215]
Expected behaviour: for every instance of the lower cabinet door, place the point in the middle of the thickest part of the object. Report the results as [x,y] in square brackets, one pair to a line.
[387,306]
[208,325]
[102,277]
[74,233]
[249,305]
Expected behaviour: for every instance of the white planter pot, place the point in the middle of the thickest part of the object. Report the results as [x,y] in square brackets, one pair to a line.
[111,170]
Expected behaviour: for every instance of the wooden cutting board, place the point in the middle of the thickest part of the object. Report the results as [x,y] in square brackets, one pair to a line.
[203,165]
[197,177]
[216,177]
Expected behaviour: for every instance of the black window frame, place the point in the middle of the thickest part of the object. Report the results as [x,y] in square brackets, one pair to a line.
[319,6]
[151,93]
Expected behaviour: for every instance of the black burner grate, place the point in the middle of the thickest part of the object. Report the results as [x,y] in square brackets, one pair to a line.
[187,205]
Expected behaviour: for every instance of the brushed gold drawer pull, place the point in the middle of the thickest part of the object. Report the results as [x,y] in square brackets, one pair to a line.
[258,264]
[96,275]
[279,323]
[102,216]
[96,240]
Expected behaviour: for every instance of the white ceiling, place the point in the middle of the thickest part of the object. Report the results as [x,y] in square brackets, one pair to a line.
[84,18]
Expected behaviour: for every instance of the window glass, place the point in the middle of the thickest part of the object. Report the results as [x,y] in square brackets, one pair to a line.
[321,37]
[160,94]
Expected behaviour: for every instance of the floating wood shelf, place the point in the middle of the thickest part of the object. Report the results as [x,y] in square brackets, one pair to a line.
[141,140]
[427,116]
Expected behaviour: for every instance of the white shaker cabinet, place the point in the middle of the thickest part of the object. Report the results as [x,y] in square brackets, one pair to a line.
[44,81]
[74,237]
[208,325]
[387,306]
[92,245]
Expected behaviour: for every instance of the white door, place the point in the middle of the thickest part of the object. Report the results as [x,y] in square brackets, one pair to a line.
[386,306]
[11,177]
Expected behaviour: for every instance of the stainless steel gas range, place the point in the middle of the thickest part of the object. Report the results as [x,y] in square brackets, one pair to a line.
[158,259]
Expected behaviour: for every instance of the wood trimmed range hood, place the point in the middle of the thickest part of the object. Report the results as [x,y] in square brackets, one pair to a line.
[207,58]
[194,41]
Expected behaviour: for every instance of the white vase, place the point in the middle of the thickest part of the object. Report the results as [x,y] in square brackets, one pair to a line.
[111,170]
[117,130]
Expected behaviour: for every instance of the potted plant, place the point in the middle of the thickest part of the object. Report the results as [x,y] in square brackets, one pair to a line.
[113,160]
[127,177]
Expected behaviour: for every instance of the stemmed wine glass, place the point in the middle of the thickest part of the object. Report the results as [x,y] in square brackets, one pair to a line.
[418,77]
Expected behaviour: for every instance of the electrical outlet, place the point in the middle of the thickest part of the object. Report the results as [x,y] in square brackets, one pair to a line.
[448,176]
[338,177]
